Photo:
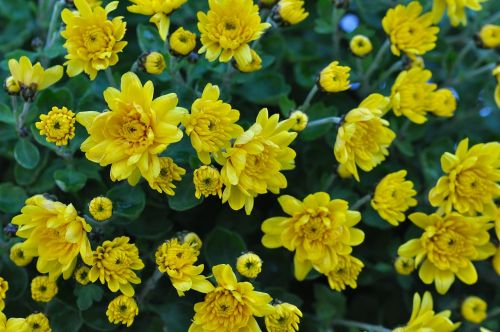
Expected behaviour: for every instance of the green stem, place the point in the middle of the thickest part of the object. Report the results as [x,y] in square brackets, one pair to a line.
[149,286]
[331,119]
[336,15]
[13,100]
[109,76]
[470,45]
[22,117]
[493,313]
[135,67]
[310,96]
[375,64]
[395,67]
[359,325]
[53,22]
[360,202]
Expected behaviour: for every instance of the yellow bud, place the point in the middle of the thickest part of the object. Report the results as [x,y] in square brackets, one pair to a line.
[474,309]
[490,36]
[182,42]
[360,45]
[249,265]
[101,208]
[154,63]
[11,86]
[300,119]
[193,239]
[404,265]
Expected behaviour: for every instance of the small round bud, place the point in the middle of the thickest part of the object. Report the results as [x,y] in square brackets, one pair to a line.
[404,265]
[300,119]
[152,63]
[101,208]
[193,239]
[182,42]
[82,275]
[360,45]
[11,86]
[489,36]
[249,265]
[474,309]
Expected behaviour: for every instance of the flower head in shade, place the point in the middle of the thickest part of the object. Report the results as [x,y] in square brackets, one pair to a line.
[334,78]
[101,208]
[13,324]
[82,275]
[228,28]
[448,246]
[135,130]
[152,63]
[182,42]
[43,288]
[249,265]
[291,12]
[490,36]
[404,265]
[456,10]
[345,273]
[122,310]
[92,40]
[169,172]
[19,255]
[496,261]
[474,309]
[38,323]
[4,287]
[285,318]
[207,181]
[443,103]
[300,119]
[58,126]
[254,65]
[360,45]
[363,138]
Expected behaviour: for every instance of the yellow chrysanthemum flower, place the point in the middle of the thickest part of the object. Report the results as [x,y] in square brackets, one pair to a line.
[249,265]
[135,130]
[101,208]
[12,324]
[92,41]
[496,73]
[38,323]
[471,178]
[345,273]
[11,86]
[82,275]
[43,288]
[228,28]
[231,306]
[253,165]
[58,126]
[474,309]
[318,229]
[114,264]
[19,256]
[404,265]
[300,118]
[207,181]
[176,260]
[285,318]
[182,42]
[49,226]
[4,287]
[456,10]
[211,125]
[423,317]
[152,63]
[496,261]
[169,172]
[393,196]
[193,240]
[291,12]
[443,103]
[254,65]
[159,10]
[490,36]
[410,32]
[448,246]
[334,78]
[122,310]
[360,45]
[363,138]
[32,78]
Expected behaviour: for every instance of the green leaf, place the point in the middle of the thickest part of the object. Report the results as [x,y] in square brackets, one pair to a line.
[6,115]
[12,198]
[184,198]
[328,304]
[264,89]
[87,295]
[95,317]
[149,38]
[128,202]
[177,315]
[286,105]
[63,318]
[16,276]
[26,154]
[70,180]
[223,246]
[25,176]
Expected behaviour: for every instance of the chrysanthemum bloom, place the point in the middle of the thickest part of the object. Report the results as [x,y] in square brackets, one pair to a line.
[360,45]
[176,260]
[58,126]
[410,32]
[228,28]
[471,178]
[490,36]
[43,288]
[169,172]
[33,78]
[363,138]
[334,78]
[254,65]
[82,275]
[423,317]
[474,309]
[345,273]
[122,310]
[94,3]
[211,125]
[393,196]
[55,234]
[182,42]
[19,256]
[207,181]
[92,41]
[404,265]
[11,86]
[496,261]
[152,63]
[249,265]
[448,246]
[38,323]
[496,73]
[231,305]
[317,229]
[12,324]
[4,287]
[456,10]
[253,165]
[443,103]
[101,208]
[114,264]
[291,12]
[285,318]
[300,119]
[193,240]
[159,10]
[135,130]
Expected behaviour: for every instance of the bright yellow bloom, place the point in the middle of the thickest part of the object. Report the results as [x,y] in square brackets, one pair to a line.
[94,3]
[43,288]
[19,256]
[4,287]
[193,240]
[101,208]
[404,265]
[176,260]
[410,32]
[318,229]
[114,264]
[32,78]
[285,318]
[496,261]
[135,130]
[443,103]
[55,234]
[490,35]
[300,119]
[231,306]
[345,273]
[474,309]
[122,310]
[38,323]
[253,165]
[471,178]
[363,138]
[292,12]
[159,10]
[393,196]
[448,246]
[153,63]
[82,275]
[211,125]
[254,65]
[92,41]
[13,324]
[228,28]
[249,265]
[207,181]
[456,10]
[423,317]
[169,172]
[11,86]
[360,45]
[182,42]
[58,125]
[334,78]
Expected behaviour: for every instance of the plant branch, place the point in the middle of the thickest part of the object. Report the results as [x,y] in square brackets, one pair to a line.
[307,102]
[359,325]
[149,286]
[330,119]
[109,76]
[360,202]
[22,117]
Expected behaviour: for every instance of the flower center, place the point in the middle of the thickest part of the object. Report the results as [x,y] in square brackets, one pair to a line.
[94,39]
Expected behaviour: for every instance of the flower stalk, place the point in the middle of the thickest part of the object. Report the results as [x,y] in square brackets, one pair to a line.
[307,102]
[22,117]
[331,119]
[359,325]
[360,202]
